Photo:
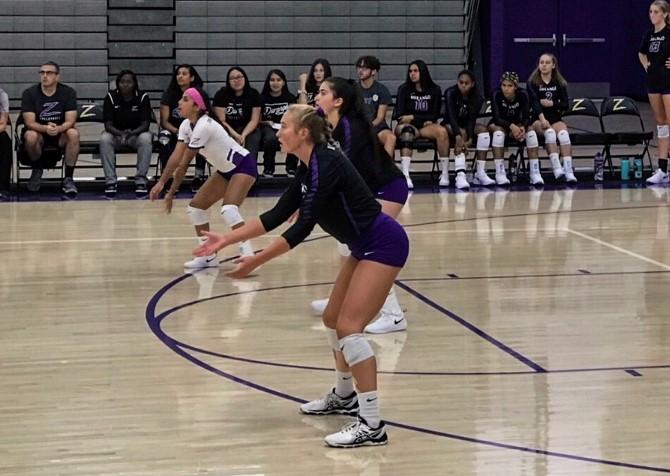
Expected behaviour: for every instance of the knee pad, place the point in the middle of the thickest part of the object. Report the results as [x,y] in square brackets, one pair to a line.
[197,216]
[355,348]
[663,131]
[531,140]
[483,141]
[498,139]
[550,136]
[564,137]
[334,342]
[231,215]
[406,139]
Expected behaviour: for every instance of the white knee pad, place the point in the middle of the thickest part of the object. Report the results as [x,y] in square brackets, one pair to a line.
[498,139]
[356,349]
[197,216]
[550,136]
[564,137]
[531,140]
[332,338]
[231,215]
[663,131]
[483,141]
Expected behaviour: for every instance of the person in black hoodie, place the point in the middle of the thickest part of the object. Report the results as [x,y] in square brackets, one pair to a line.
[276,100]
[417,111]
[462,104]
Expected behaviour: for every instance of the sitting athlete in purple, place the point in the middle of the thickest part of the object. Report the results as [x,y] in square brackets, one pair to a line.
[341,102]
[235,171]
[417,111]
[309,83]
[511,117]
[548,91]
[462,105]
[328,191]
[378,99]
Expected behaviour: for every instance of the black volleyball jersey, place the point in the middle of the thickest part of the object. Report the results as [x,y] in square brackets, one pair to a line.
[461,112]
[553,91]
[424,105]
[357,144]
[656,46]
[506,113]
[328,192]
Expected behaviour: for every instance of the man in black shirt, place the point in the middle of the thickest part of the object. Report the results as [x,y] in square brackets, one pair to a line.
[49,111]
[127,114]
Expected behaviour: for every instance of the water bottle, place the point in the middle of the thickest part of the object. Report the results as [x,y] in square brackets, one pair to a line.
[639,167]
[512,167]
[625,168]
[598,167]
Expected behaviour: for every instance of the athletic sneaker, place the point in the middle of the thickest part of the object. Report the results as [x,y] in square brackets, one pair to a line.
[387,323]
[559,174]
[332,404]
[69,188]
[501,178]
[358,433]
[461,181]
[246,249]
[481,178]
[569,175]
[141,190]
[210,261]
[658,178]
[536,179]
[110,190]
[444,179]
[319,305]
[35,180]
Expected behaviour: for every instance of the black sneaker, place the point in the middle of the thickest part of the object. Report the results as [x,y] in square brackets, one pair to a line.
[110,190]
[4,195]
[69,188]
[268,173]
[141,190]
[196,183]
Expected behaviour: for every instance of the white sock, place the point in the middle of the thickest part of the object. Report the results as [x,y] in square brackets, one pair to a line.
[555,161]
[534,166]
[459,163]
[567,163]
[344,383]
[368,408]
[444,164]
[500,166]
[481,166]
[404,164]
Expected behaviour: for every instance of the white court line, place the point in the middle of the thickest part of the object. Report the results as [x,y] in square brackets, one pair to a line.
[314,235]
[617,248]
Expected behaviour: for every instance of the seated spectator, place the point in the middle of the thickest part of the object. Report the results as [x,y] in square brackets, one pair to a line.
[378,99]
[417,111]
[127,114]
[49,111]
[462,105]
[5,147]
[184,76]
[238,107]
[309,83]
[276,100]
[511,118]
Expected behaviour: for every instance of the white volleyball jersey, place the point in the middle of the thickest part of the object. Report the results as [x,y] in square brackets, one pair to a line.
[213,142]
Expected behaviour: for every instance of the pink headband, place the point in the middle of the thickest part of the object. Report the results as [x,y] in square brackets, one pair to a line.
[197,98]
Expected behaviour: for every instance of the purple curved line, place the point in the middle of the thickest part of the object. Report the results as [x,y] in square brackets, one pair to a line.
[154,325]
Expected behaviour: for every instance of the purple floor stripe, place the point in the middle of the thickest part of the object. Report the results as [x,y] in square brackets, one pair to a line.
[524,360]
[634,373]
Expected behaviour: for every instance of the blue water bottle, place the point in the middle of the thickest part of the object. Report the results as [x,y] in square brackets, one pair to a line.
[625,168]
[639,167]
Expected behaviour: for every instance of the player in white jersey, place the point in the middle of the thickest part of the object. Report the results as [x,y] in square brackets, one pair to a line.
[236,171]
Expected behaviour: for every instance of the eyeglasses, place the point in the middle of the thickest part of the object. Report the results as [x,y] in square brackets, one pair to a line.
[235,78]
[48,73]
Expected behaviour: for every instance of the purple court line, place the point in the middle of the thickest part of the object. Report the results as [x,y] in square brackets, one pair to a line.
[634,373]
[154,325]
[492,340]
[549,275]
[168,312]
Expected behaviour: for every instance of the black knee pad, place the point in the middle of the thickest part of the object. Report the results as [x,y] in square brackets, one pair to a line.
[406,139]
